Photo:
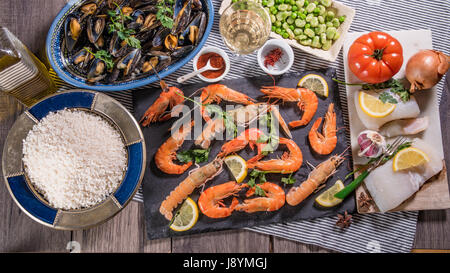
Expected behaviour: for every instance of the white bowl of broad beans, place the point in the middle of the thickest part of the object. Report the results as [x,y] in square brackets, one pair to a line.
[316,27]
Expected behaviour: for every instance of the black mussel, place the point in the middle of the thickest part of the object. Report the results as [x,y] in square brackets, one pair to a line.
[171,42]
[127,11]
[97,71]
[100,42]
[88,8]
[201,27]
[112,3]
[72,31]
[146,36]
[129,61]
[95,27]
[116,47]
[182,18]
[156,60]
[83,57]
[197,5]
[137,20]
[160,36]
[193,33]
[113,76]
[182,51]
[150,22]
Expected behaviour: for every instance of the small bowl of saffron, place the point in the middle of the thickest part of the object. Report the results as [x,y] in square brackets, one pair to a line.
[217,58]
[275,57]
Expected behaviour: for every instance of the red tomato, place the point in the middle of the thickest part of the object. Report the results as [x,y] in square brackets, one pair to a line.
[375,57]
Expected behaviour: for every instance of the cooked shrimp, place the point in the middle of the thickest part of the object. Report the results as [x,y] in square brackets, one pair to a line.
[167,152]
[210,201]
[306,100]
[248,137]
[317,177]
[212,128]
[290,161]
[219,92]
[169,97]
[324,143]
[196,179]
[274,200]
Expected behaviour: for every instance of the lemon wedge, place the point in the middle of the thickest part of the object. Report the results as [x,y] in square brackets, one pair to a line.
[186,216]
[237,166]
[327,199]
[374,107]
[315,83]
[408,158]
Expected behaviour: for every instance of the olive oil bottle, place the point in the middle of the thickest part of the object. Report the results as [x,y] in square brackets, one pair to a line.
[22,75]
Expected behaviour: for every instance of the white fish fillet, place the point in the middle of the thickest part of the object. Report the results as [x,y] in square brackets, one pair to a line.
[389,189]
[403,110]
[404,127]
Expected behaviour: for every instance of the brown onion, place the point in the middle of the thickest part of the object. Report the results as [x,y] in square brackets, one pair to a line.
[426,68]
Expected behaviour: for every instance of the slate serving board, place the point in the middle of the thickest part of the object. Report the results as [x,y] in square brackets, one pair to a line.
[157,185]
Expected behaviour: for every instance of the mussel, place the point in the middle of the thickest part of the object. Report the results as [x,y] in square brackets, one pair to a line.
[83,57]
[95,27]
[194,32]
[180,52]
[129,61]
[72,30]
[182,18]
[96,71]
[155,60]
[171,42]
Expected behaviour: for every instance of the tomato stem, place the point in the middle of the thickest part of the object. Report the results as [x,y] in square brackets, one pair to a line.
[378,54]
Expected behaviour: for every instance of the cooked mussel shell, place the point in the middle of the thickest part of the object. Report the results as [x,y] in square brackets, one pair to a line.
[194,32]
[197,5]
[160,36]
[156,60]
[89,8]
[180,52]
[82,58]
[171,42]
[182,18]
[72,31]
[150,22]
[129,61]
[116,48]
[96,71]
[95,27]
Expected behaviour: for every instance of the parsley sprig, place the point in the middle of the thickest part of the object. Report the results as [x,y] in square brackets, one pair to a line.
[104,56]
[118,25]
[165,12]
[195,155]
[252,182]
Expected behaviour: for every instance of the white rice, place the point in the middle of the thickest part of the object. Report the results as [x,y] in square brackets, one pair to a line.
[75,159]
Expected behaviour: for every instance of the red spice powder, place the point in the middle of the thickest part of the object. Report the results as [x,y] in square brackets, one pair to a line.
[273,57]
[216,61]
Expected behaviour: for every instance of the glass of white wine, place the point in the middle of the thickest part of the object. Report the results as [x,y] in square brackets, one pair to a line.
[245,26]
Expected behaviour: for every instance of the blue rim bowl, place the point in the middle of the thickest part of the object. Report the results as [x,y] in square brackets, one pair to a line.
[59,64]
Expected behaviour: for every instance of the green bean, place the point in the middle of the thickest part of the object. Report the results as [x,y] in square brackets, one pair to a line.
[320,29]
[289,7]
[300,22]
[321,19]
[322,9]
[335,22]
[326,3]
[285,25]
[314,22]
[306,42]
[329,16]
[310,8]
[316,42]
[326,45]
[298,31]
[336,36]
[309,32]
[331,31]
[302,37]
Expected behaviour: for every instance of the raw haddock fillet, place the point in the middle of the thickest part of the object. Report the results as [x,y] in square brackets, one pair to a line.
[389,189]
[403,110]
[404,127]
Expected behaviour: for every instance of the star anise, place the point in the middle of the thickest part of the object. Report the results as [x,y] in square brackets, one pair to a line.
[364,201]
[344,221]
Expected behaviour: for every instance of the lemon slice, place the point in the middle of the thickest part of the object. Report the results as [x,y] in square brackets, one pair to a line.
[374,107]
[315,83]
[408,158]
[327,199]
[237,166]
[186,217]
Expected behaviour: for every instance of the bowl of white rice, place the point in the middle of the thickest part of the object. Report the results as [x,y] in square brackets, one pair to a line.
[74,159]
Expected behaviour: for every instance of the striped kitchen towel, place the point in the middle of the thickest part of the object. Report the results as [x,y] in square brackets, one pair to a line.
[390,232]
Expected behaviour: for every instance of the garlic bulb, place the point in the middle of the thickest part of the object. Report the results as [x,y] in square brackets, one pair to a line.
[371,144]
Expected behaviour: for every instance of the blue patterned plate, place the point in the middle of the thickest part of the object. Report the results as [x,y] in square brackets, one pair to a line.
[32,203]
[59,61]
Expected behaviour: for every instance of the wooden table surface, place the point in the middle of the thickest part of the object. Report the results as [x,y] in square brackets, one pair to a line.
[30,21]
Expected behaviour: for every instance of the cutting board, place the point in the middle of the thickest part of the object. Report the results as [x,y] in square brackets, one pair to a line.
[157,185]
[434,194]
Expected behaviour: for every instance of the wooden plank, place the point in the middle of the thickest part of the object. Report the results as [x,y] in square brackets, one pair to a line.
[19,232]
[281,245]
[240,241]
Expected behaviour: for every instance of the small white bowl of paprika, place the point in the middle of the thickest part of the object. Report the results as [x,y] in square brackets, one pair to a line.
[217,58]
[275,57]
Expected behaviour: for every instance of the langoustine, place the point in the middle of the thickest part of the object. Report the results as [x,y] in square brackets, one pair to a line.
[306,101]
[318,176]
[195,179]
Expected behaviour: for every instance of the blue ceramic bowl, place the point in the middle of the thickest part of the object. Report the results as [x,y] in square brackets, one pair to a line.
[26,196]
[59,62]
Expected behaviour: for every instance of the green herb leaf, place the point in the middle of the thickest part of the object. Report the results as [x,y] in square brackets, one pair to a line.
[104,56]
[259,191]
[196,155]
[288,180]
[386,97]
